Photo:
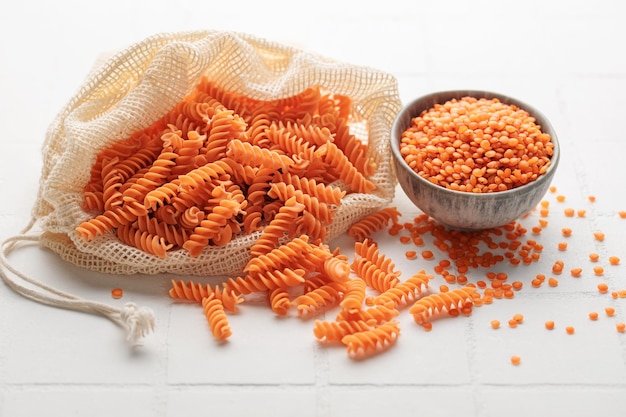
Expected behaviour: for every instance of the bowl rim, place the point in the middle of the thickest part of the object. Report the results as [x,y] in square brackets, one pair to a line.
[408,112]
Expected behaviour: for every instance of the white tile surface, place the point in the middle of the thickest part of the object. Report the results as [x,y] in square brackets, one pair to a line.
[564,57]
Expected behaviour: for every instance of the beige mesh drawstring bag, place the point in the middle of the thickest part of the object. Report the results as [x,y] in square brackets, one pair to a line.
[134,90]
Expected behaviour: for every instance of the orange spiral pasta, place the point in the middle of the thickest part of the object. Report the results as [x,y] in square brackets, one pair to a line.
[361,345]
[354,296]
[368,250]
[335,331]
[280,226]
[211,226]
[404,292]
[341,167]
[320,298]
[279,301]
[267,280]
[312,204]
[216,317]
[378,314]
[149,243]
[374,222]
[373,276]
[325,193]
[254,155]
[280,257]
[433,304]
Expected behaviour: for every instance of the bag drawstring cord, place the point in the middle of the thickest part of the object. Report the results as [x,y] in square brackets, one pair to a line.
[137,321]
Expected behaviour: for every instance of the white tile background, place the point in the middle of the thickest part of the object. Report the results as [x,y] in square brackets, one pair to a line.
[565,57]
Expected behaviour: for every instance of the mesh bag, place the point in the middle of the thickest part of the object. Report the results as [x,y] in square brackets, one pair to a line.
[135,87]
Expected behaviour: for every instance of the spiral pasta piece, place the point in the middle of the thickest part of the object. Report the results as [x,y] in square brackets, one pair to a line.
[429,306]
[280,257]
[152,244]
[312,204]
[211,226]
[254,155]
[325,193]
[204,174]
[279,301]
[268,280]
[354,296]
[335,331]
[343,169]
[316,300]
[281,225]
[225,125]
[373,222]
[216,317]
[361,345]
[377,314]
[110,219]
[404,292]
[368,250]
[373,276]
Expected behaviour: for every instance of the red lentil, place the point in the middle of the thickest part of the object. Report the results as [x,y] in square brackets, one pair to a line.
[517,285]
[513,323]
[516,360]
[610,311]
[593,315]
[593,257]
[603,288]
[576,272]
[581,213]
[621,327]
[598,236]
[405,239]
[614,260]
[562,246]
[410,254]
[566,231]
[592,198]
[553,282]
[569,212]
[549,325]
[117,293]
[552,189]
[560,198]
[598,270]
[570,330]
[495,324]
[458,126]
[427,254]
[518,317]
[622,214]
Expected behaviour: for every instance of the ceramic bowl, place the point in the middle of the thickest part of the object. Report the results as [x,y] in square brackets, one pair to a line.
[467,210]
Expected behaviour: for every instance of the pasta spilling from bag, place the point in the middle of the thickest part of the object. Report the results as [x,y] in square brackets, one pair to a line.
[194,152]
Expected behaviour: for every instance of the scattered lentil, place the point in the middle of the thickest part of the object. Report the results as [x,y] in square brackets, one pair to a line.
[117,293]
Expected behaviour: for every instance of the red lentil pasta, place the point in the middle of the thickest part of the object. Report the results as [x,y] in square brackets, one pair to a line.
[476,145]
[220,165]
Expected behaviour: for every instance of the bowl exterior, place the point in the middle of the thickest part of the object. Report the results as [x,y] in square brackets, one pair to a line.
[464,210]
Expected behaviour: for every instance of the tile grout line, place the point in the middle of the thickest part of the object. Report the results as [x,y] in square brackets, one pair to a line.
[475,384]
[322,389]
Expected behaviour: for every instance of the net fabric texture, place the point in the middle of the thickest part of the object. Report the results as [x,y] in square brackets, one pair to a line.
[135,87]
